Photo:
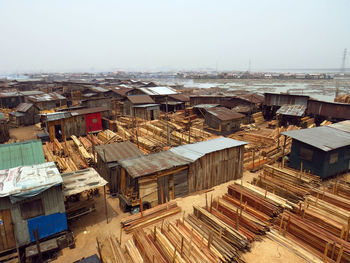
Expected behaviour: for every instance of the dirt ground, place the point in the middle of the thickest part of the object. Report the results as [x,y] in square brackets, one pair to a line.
[24,133]
[92,226]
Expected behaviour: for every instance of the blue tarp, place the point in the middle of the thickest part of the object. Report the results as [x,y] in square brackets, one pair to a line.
[47,225]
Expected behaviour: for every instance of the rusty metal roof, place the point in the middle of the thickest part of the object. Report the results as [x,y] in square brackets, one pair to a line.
[152,163]
[252,98]
[292,110]
[98,89]
[24,107]
[46,97]
[140,99]
[117,151]
[280,99]
[224,114]
[88,111]
[121,90]
[324,138]
[179,97]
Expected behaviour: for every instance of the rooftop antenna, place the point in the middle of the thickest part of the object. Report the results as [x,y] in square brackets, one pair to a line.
[343,62]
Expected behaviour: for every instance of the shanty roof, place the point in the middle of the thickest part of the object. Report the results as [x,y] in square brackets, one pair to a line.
[153,91]
[117,151]
[32,92]
[145,105]
[152,163]
[252,97]
[89,110]
[26,181]
[80,181]
[343,126]
[21,153]
[46,97]
[2,116]
[224,114]
[179,97]
[24,107]
[195,151]
[17,114]
[324,138]
[205,106]
[140,99]
[57,116]
[98,89]
[292,110]
[121,89]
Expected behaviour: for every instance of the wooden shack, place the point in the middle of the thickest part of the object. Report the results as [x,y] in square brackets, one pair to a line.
[158,177]
[62,125]
[4,128]
[108,157]
[24,209]
[324,151]
[221,120]
[48,101]
[25,114]
[141,106]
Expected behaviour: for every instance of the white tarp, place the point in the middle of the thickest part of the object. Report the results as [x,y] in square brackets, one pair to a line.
[27,181]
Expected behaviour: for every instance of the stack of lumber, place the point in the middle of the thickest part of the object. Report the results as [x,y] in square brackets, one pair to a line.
[110,250]
[338,187]
[88,157]
[149,216]
[326,123]
[108,136]
[331,198]
[307,122]
[258,117]
[343,98]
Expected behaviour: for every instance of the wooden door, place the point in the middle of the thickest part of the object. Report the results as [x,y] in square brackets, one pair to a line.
[180,183]
[163,189]
[7,237]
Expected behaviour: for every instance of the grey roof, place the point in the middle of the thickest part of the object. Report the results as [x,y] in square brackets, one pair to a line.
[2,116]
[24,107]
[145,105]
[324,138]
[292,110]
[17,114]
[98,89]
[152,163]
[32,92]
[57,116]
[343,126]
[197,150]
[117,151]
[153,91]
[46,97]
[205,106]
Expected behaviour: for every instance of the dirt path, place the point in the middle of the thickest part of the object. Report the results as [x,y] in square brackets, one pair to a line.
[24,133]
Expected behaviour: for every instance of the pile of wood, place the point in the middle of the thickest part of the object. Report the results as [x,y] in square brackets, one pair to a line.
[326,123]
[343,98]
[307,122]
[258,117]
[149,216]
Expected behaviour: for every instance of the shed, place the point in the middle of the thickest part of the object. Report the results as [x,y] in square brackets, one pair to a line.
[290,114]
[4,129]
[25,114]
[179,171]
[31,198]
[141,106]
[21,153]
[325,151]
[48,101]
[108,157]
[221,120]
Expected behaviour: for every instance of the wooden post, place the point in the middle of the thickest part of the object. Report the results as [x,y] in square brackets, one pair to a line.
[104,194]
[120,236]
[36,236]
[98,248]
[155,233]
[340,254]
[141,207]
[182,246]
[325,253]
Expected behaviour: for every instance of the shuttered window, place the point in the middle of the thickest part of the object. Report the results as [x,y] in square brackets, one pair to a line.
[306,154]
[32,209]
[333,158]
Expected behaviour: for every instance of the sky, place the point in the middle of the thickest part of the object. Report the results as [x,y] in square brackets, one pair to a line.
[152,35]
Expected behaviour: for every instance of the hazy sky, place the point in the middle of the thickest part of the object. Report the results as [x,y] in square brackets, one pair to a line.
[77,35]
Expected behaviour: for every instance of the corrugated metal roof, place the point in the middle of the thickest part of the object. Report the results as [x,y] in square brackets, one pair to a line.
[180,97]
[57,116]
[80,181]
[23,107]
[224,114]
[145,105]
[292,110]
[343,126]
[153,163]
[89,110]
[46,97]
[140,99]
[32,92]
[252,97]
[98,89]
[17,114]
[324,138]
[196,150]
[22,153]
[2,116]
[205,106]
[121,89]
[118,151]
[28,181]
[160,90]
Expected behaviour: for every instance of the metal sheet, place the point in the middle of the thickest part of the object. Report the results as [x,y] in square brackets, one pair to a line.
[46,97]
[22,153]
[88,111]
[140,99]
[329,109]
[324,138]
[117,151]
[275,99]
[24,107]
[343,126]
[153,163]
[292,110]
[224,114]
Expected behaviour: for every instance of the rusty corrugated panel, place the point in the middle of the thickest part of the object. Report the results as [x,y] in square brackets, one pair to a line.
[118,151]
[140,99]
[274,99]
[224,114]
[153,163]
[88,111]
[24,107]
[292,110]
[46,97]
[329,109]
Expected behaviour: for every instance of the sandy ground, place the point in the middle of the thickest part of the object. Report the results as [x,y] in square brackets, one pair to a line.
[24,133]
[88,227]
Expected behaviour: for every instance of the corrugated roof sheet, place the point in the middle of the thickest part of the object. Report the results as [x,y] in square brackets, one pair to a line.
[292,110]
[145,105]
[343,126]
[80,181]
[27,181]
[21,153]
[140,99]
[152,163]
[89,110]
[32,92]
[2,116]
[224,114]
[252,97]
[57,116]
[205,106]
[160,90]
[118,151]
[121,90]
[24,107]
[196,150]
[98,89]
[46,97]
[17,114]
[180,97]
[324,138]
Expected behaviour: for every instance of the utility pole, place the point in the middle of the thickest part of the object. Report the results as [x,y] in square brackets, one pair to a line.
[167,121]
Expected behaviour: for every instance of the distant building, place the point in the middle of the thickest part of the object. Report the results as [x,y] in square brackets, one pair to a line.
[324,151]
[4,129]
[25,114]
[48,101]
[221,120]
